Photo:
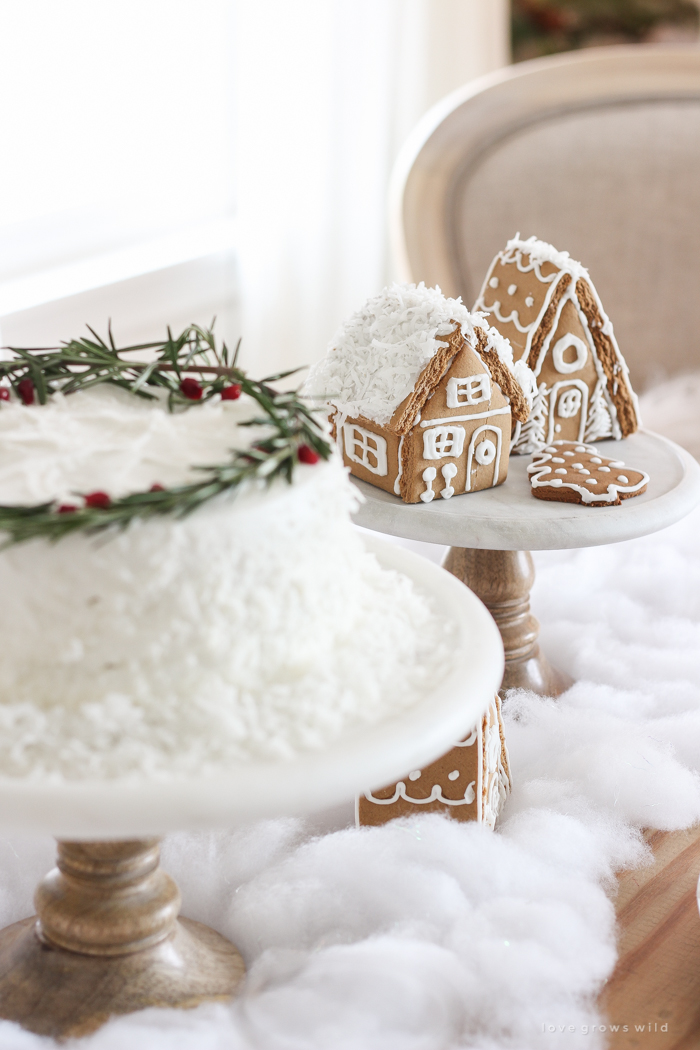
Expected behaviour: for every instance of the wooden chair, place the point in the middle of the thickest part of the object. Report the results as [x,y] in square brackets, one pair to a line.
[598,152]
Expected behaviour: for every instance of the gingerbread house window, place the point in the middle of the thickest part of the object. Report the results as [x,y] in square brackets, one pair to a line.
[471,390]
[366,448]
[443,441]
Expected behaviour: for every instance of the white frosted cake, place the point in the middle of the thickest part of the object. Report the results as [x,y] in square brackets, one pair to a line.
[255,627]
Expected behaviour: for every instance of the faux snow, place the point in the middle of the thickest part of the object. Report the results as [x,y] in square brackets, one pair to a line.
[376,357]
[257,627]
[427,933]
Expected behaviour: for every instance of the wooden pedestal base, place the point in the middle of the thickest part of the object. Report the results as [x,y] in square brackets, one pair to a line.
[503,580]
[107,940]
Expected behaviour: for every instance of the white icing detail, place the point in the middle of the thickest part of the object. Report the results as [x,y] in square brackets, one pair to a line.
[366,448]
[596,459]
[399,472]
[566,404]
[454,775]
[567,453]
[560,470]
[512,289]
[615,462]
[473,448]
[569,403]
[529,301]
[623,479]
[604,469]
[556,481]
[512,318]
[558,459]
[485,453]
[471,390]
[557,428]
[429,475]
[592,481]
[600,417]
[577,466]
[565,343]
[443,441]
[493,283]
[448,472]
[435,795]
[471,739]
[460,419]
[414,775]
[584,471]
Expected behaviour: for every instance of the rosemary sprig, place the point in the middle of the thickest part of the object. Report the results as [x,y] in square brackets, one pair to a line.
[292,431]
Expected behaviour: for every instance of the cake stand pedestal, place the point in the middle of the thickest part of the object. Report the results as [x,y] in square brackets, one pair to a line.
[492,532]
[107,939]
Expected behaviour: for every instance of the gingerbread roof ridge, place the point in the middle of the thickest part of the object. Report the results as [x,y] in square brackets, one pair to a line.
[542,251]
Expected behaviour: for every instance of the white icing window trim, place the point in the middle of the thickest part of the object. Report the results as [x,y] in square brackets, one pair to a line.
[440,442]
[470,390]
[565,343]
[370,446]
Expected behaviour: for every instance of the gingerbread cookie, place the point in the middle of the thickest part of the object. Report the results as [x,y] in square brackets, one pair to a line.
[570,472]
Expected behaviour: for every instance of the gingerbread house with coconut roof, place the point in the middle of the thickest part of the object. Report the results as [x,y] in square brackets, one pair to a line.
[545,304]
[422,395]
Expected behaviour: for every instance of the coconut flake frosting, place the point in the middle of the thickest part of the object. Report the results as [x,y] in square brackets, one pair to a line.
[256,628]
[377,355]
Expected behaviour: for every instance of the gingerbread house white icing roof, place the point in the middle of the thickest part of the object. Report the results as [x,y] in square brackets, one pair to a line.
[541,252]
[378,354]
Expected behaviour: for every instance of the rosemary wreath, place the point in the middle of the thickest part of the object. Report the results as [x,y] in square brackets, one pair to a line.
[292,432]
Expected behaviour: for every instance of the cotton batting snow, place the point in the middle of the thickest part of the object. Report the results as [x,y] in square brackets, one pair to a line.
[255,628]
[427,934]
[377,355]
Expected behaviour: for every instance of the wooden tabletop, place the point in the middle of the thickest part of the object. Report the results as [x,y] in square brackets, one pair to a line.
[656,982]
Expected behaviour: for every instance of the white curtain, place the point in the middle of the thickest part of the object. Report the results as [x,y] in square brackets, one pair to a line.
[326,91]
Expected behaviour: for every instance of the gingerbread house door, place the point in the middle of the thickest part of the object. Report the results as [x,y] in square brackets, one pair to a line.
[483,458]
[568,410]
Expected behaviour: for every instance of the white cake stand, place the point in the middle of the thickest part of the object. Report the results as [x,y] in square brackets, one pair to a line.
[492,532]
[107,939]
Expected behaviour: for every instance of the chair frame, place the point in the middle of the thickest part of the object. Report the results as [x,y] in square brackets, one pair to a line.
[455,134]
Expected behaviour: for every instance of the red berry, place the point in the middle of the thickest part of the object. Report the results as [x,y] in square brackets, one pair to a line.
[156,487]
[66,508]
[190,389]
[231,393]
[98,499]
[25,389]
[307,455]
[4,393]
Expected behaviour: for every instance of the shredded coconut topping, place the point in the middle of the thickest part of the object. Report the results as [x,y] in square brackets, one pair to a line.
[256,627]
[376,357]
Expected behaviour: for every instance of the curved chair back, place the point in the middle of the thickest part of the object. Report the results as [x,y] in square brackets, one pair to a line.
[596,151]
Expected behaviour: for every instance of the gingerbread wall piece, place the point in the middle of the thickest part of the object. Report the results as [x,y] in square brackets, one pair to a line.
[546,305]
[571,473]
[470,782]
[422,395]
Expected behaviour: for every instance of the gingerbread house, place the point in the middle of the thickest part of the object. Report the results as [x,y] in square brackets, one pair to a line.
[545,304]
[470,782]
[422,395]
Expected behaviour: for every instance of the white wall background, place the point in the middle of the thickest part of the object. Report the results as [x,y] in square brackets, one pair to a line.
[165,160]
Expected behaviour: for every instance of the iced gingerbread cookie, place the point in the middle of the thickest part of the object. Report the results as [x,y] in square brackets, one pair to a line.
[569,472]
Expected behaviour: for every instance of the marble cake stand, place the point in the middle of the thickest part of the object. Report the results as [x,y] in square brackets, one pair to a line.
[106,939]
[492,532]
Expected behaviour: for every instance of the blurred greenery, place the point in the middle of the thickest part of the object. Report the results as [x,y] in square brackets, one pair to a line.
[544,27]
